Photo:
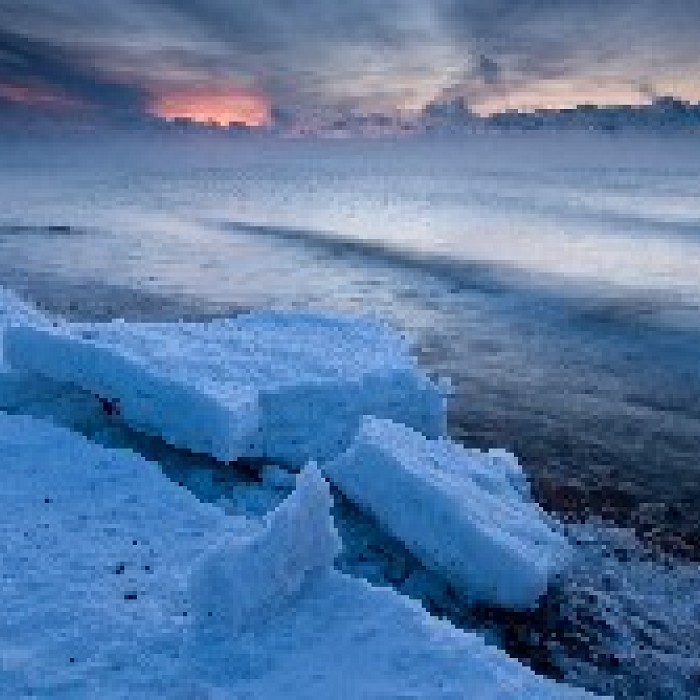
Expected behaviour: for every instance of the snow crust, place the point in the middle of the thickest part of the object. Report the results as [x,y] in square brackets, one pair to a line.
[95,545]
[101,598]
[465,514]
[347,639]
[289,387]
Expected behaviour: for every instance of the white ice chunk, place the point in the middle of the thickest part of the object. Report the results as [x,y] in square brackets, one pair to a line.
[464,514]
[289,387]
[21,392]
[244,580]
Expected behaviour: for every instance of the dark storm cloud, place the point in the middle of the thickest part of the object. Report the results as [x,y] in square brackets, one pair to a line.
[342,52]
[278,24]
[559,49]
[311,52]
[45,69]
[542,34]
[281,46]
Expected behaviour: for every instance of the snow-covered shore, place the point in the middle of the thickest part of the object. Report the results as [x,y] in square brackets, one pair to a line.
[99,598]
[119,583]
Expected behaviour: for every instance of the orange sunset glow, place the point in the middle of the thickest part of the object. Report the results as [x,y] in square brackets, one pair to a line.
[220,107]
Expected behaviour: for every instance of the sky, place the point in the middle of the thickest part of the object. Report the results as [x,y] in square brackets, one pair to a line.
[245,60]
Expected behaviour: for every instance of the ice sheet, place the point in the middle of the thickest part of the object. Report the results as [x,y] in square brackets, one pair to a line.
[285,386]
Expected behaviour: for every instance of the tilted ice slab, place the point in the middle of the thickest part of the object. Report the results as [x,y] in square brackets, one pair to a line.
[465,514]
[101,599]
[242,582]
[286,386]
